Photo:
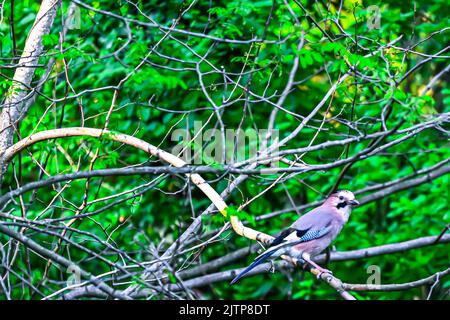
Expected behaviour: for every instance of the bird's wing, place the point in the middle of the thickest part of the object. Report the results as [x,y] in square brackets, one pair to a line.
[287,238]
[315,219]
[291,237]
[311,226]
[308,227]
[282,236]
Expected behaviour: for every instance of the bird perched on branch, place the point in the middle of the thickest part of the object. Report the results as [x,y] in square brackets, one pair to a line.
[311,233]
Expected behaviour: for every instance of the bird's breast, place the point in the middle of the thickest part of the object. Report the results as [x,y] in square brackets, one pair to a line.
[313,247]
[344,213]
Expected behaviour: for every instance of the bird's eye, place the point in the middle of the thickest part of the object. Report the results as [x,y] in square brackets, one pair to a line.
[341,198]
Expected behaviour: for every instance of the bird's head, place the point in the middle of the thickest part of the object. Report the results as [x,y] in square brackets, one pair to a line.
[343,201]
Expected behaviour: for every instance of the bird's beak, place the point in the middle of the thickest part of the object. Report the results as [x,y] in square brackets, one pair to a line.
[354,202]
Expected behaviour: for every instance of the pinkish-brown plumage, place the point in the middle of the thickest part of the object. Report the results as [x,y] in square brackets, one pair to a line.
[311,233]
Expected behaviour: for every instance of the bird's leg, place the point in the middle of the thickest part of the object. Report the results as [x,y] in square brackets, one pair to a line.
[272,267]
[307,258]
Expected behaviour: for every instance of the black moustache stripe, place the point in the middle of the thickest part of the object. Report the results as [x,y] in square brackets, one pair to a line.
[341,205]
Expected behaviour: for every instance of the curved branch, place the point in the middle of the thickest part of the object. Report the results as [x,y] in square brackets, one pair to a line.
[122,138]
[335,256]
[13,107]
[215,198]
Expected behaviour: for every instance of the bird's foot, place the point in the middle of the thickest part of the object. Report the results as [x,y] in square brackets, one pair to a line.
[272,267]
[323,270]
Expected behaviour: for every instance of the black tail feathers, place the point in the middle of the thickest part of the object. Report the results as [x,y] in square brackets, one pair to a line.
[257,261]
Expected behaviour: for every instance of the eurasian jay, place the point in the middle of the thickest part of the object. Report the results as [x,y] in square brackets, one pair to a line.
[311,233]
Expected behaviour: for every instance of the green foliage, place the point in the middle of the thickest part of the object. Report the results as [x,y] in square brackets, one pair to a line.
[161,214]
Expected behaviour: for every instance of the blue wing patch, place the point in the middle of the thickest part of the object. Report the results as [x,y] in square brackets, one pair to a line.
[313,234]
[280,242]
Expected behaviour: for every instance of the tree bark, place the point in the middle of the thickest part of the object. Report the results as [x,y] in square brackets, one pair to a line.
[14,107]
